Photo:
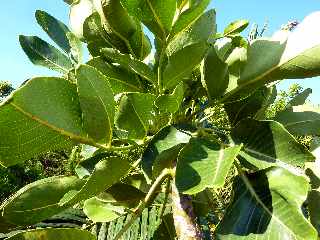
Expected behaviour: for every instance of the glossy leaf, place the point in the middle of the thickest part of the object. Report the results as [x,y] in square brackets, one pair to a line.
[135,114]
[120,80]
[163,150]
[268,206]
[39,200]
[133,65]
[46,115]
[170,103]
[198,31]
[300,123]
[235,27]
[178,68]
[97,103]
[188,17]
[56,30]
[110,12]
[267,143]
[203,164]
[214,74]
[42,53]
[285,56]
[156,15]
[106,173]
[53,234]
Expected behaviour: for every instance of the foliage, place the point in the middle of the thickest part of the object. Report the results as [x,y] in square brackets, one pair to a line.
[139,126]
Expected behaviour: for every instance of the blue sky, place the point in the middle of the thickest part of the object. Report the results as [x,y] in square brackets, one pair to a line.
[17,17]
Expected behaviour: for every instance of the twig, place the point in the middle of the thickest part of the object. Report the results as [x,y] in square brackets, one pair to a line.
[137,213]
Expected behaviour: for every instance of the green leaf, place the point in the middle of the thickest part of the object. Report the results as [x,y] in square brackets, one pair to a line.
[188,17]
[267,143]
[300,123]
[214,74]
[299,99]
[132,64]
[268,206]
[41,116]
[199,31]
[76,48]
[122,195]
[120,80]
[140,43]
[100,211]
[110,12]
[135,114]
[203,164]
[190,44]
[106,173]
[285,56]
[313,207]
[248,107]
[39,200]
[54,234]
[56,30]
[178,67]
[163,150]
[42,53]
[112,203]
[235,27]
[86,167]
[156,15]
[170,103]
[97,103]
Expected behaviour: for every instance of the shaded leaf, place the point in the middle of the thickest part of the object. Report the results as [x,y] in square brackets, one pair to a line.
[56,30]
[268,206]
[247,107]
[120,80]
[299,99]
[300,123]
[214,74]
[163,150]
[39,200]
[133,65]
[203,164]
[97,103]
[135,114]
[42,53]
[170,103]
[106,173]
[268,143]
